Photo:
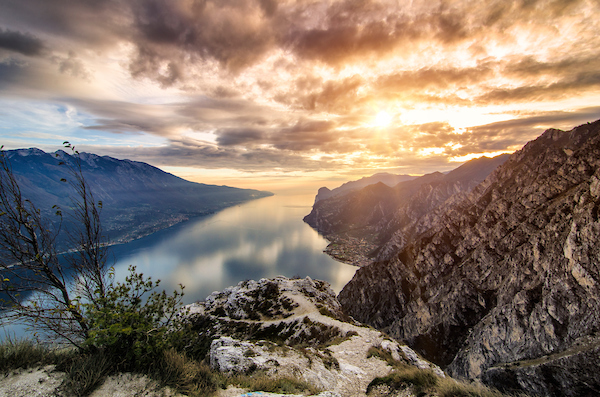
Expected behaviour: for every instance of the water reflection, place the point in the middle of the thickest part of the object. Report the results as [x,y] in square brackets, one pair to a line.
[262,238]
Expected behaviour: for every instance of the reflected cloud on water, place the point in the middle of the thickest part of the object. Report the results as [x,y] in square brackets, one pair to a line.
[262,238]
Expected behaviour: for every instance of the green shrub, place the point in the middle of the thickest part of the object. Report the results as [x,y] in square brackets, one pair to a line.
[134,332]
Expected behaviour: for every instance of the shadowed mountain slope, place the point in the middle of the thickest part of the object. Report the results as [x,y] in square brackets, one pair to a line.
[386,216]
[137,198]
[503,285]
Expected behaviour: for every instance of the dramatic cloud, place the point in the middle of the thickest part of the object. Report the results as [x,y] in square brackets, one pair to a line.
[23,43]
[294,86]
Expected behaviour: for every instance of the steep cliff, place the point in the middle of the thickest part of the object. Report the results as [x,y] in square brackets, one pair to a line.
[503,285]
[378,219]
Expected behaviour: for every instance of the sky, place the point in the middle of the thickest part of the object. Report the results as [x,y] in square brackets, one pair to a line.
[276,95]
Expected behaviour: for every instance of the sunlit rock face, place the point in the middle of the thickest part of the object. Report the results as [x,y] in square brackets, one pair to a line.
[503,285]
[292,328]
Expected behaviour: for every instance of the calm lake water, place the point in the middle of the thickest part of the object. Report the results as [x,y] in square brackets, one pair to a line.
[261,238]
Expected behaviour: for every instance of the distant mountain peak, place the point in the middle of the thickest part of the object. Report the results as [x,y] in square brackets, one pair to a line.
[29,152]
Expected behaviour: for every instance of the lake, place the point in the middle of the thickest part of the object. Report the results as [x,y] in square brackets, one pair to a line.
[260,238]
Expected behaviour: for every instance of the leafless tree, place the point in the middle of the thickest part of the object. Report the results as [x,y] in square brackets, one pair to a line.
[40,285]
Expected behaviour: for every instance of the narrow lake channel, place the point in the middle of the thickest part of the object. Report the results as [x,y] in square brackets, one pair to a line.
[260,238]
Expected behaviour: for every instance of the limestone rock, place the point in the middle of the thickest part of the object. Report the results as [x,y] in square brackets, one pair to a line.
[508,273]
[300,331]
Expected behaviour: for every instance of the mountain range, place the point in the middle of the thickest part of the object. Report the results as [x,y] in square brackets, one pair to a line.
[137,198]
[383,177]
[496,280]
[370,221]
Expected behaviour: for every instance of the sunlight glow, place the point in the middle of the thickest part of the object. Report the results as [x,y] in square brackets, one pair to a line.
[471,156]
[383,119]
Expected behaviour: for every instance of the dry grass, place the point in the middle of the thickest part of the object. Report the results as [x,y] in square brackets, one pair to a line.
[262,382]
[186,375]
[15,354]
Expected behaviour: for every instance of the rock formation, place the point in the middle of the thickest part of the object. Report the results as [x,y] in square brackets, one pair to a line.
[378,219]
[504,284]
[294,328]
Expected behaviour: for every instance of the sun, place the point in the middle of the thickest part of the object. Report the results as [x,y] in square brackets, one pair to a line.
[383,119]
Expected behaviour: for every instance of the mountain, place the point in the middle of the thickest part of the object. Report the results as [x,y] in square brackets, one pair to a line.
[383,177]
[503,285]
[372,220]
[137,198]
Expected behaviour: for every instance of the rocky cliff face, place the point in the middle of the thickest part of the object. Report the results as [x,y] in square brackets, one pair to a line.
[377,220]
[503,285]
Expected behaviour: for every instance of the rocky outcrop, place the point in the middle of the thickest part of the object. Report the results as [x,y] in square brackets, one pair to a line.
[293,328]
[508,274]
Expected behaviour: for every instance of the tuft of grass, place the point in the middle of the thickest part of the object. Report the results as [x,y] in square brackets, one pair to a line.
[425,382]
[263,382]
[420,379]
[186,375]
[451,388]
[376,351]
[15,354]
[87,372]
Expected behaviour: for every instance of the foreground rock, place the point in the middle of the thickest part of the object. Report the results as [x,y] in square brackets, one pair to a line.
[294,328]
[271,328]
[504,285]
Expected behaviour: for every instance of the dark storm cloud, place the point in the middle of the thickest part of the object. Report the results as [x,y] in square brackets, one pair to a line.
[186,153]
[302,136]
[308,134]
[93,22]
[196,114]
[236,34]
[333,96]
[23,43]
[236,137]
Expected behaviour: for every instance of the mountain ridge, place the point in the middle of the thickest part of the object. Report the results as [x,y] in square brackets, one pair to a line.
[388,179]
[503,275]
[367,223]
[138,198]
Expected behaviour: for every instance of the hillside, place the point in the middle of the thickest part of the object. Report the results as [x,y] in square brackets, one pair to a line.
[257,334]
[137,198]
[504,284]
[369,222]
[388,179]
